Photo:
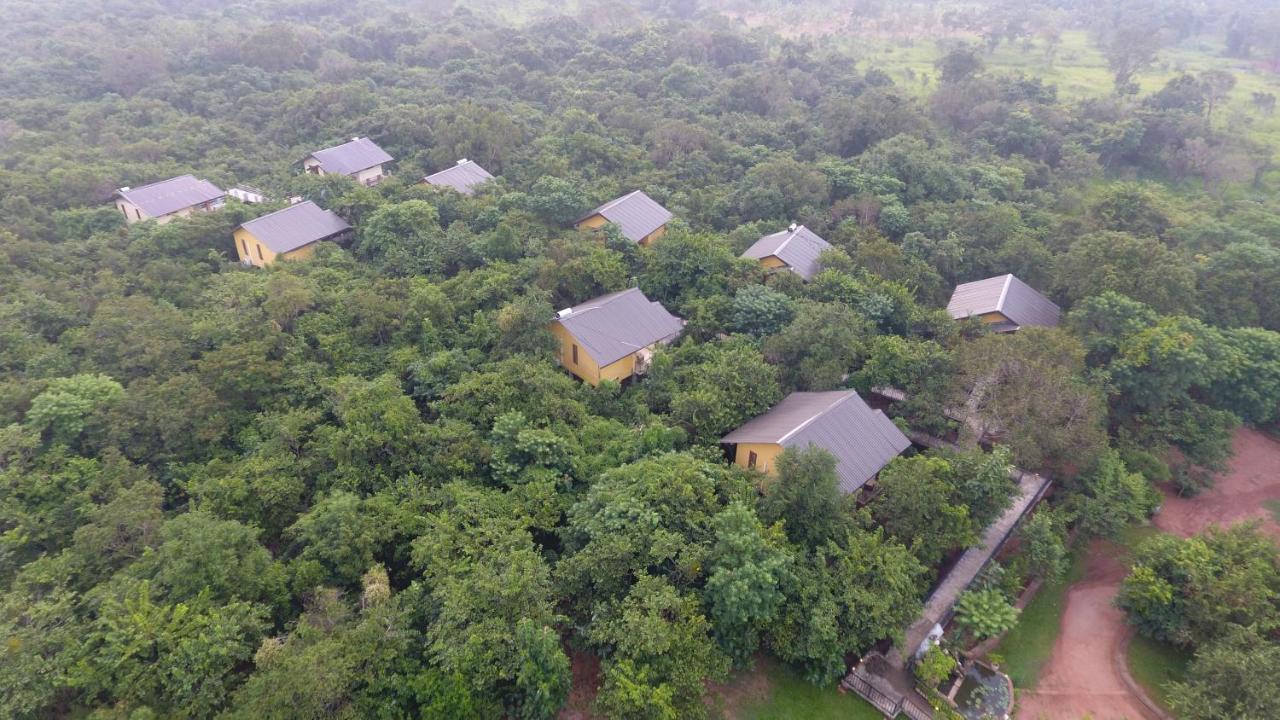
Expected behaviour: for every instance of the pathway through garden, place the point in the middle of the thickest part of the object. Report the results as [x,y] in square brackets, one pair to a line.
[1081,675]
[1081,679]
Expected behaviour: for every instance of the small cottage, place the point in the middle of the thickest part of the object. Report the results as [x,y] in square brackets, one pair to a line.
[796,249]
[640,219]
[168,199]
[290,234]
[861,439]
[360,159]
[612,337]
[465,176]
[1004,302]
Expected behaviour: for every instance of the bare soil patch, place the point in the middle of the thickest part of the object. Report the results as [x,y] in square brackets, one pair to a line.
[1242,493]
[586,683]
[1081,678]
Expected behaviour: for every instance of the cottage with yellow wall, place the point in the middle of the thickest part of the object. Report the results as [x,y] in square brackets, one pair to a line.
[359,159]
[613,336]
[861,440]
[1004,303]
[290,234]
[797,249]
[169,199]
[640,219]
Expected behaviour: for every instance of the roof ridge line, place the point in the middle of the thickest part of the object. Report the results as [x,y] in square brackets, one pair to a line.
[159,182]
[600,210]
[1004,292]
[817,415]
[277,212]
[786,242]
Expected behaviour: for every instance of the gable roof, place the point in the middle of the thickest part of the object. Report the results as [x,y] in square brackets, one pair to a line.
[614,326]
[797,246]
[167,196]
[635,213]
[1007,295]
[295,226]
[351,157]
[463,177]
[862,440]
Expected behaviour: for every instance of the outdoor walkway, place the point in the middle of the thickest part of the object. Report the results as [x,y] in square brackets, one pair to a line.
[937,608]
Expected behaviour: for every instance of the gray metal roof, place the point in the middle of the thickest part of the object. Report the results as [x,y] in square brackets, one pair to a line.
[1006,295]
[635,213]
[295,226]
[614,326]
[463,177]
[797,246]
[862,440]
[351,157]
[167,196]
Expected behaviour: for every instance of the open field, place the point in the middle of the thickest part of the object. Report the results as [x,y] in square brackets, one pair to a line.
[1079,677]
[1080,71]
[1248,490]
[1075,66]
[1079,625]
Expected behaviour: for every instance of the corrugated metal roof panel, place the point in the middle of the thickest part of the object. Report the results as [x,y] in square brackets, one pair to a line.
[1025,306]
[614,326]
[797,246]
[167,196]
[862,440]
[295,226]
[351,157]
[635,213]
[463,177]
[1007,295]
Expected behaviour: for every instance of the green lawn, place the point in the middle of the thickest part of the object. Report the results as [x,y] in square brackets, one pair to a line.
[1274,507]
[791,697]
[1155,664]
[1079,71]
[1027,647]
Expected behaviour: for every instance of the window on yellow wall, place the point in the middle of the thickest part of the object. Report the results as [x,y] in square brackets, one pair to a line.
[245,247]
[751,459]
[575,354]
[259,247]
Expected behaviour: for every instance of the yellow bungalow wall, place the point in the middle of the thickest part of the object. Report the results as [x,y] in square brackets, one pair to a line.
[250,250]
[992,318]
[766,456]
[586,368]
[772,262]
[597,221]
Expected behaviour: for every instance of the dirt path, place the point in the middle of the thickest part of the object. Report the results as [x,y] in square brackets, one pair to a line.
[1080,679]
[1251,480]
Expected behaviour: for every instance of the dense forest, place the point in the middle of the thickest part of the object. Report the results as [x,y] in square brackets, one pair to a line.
[360,486]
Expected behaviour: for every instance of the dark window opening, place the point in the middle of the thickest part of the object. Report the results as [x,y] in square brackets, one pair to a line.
[259,251]
[751,459]
[575,354]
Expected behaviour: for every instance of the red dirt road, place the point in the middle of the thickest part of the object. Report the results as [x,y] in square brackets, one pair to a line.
[1081,679]
[1252,479]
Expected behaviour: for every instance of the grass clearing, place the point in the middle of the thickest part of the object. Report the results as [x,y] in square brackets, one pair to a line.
[1027,647]
[1080,71]
[790,696]
[1155,664]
